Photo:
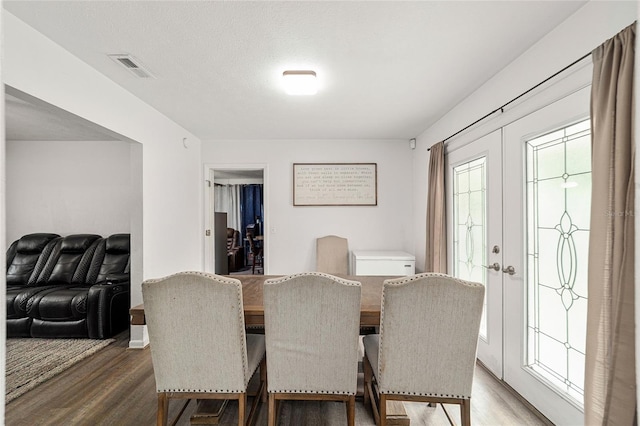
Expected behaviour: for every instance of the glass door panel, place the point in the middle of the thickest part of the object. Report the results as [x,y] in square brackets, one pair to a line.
[474,196]
[558,214]
[469,232]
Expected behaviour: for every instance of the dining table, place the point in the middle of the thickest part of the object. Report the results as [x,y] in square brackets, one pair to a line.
[252,285]
[252,299]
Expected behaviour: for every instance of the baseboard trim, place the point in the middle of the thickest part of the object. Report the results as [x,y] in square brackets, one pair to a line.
[138,344]
[138,337]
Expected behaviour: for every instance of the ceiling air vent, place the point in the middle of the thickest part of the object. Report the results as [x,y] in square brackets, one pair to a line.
[132,64]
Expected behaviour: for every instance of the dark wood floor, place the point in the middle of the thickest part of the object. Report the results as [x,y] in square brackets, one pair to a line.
[116,387]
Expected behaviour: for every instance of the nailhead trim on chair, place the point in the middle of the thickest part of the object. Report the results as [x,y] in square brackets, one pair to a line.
[441,395]
[307,391]
[318,274]
[245,361]
[404,280]
[210,390]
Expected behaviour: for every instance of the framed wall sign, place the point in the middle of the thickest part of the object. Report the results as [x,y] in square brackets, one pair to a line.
[335,184]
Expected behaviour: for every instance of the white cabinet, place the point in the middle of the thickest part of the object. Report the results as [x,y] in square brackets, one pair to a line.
[367,262]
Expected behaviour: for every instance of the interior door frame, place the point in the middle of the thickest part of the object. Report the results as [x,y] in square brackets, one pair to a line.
[208,210]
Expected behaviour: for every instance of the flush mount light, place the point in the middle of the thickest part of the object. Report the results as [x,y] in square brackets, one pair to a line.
[300,82]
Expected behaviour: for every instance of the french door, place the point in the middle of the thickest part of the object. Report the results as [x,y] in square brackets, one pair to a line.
[548,177]
[524,234]
[474,184]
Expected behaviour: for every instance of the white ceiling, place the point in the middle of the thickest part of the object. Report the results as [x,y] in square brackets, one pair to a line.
[387,69]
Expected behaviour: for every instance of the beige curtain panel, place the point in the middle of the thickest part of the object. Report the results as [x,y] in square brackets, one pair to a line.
[436,253]
[610,380]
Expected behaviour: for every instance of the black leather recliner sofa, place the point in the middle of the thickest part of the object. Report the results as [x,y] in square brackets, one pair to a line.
[68,287]
[25,260]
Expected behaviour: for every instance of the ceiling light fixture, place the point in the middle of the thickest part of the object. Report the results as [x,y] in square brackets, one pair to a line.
[300,82]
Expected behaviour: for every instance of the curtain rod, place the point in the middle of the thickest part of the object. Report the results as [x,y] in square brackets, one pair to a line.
[517,97]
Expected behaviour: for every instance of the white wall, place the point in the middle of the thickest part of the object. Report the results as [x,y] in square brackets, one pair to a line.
[578,35]
[291,248]
[166,226]
[3,239]
[68,187]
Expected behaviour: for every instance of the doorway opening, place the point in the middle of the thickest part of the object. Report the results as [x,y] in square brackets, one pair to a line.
[235,220]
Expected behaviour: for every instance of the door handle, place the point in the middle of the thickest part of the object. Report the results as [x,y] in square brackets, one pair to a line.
[509,270]
[495,266]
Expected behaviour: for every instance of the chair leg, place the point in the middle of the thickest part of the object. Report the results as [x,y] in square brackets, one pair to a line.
[351,411]
[163,409]
[263,378]
[465,412]
[368,373]
[272,410]
[242,403]
[383,410]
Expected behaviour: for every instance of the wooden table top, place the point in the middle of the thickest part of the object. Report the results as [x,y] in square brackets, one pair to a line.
[254,308]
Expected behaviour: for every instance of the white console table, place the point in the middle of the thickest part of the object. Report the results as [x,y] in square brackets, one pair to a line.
[382,262]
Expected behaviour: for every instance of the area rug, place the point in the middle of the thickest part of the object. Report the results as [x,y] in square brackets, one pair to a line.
[32,361]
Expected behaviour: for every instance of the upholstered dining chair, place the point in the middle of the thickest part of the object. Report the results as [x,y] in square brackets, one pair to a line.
[198,344]
[311,329]
[332,255]
[426,349]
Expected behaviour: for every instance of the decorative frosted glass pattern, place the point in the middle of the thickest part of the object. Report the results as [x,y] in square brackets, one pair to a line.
[558,213]
[469,231]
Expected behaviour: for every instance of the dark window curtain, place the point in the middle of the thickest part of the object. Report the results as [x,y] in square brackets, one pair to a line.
[252,207]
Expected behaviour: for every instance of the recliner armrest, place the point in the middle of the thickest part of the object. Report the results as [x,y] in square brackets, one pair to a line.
[113,279]
[108,308]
